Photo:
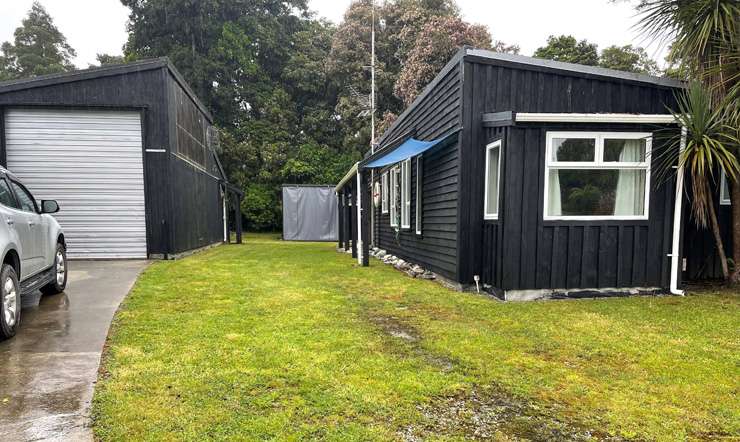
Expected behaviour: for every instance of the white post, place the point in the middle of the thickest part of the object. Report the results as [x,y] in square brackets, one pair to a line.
[226,217]
[359,218]
[372,117]
[677,212]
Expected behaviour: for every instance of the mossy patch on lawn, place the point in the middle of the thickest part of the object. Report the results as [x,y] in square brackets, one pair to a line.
[291,341]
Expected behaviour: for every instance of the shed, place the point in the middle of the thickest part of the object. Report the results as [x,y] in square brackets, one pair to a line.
[129,153]
[536,178]
[309,212]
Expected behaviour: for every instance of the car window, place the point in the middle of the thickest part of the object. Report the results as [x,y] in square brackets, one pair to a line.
[24,198]
[6,196]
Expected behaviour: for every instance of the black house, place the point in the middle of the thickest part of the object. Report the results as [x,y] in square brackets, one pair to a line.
[528,176]
[127,150]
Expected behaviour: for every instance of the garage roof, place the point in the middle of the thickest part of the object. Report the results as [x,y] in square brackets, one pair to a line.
[105,71]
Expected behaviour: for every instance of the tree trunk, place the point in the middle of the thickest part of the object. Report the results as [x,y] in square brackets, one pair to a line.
[735,208]
[714,225]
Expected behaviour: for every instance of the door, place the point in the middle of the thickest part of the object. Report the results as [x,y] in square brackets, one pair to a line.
[91,162]
[30,232]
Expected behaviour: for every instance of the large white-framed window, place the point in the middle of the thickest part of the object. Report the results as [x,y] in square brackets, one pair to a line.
[406,194]
[394,197]
[418,207]
[493,180]
[384,193]
[724,193]
[597,175]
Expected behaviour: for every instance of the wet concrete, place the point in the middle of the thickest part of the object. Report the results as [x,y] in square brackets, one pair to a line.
[48,371]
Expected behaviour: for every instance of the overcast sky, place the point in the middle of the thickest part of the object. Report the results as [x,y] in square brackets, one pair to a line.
[99,26]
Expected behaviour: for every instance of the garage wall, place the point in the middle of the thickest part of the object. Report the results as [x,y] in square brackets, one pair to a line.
[90,161]
[196,201]
[145,90]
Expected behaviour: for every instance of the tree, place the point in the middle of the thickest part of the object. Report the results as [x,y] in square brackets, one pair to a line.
[399,25]
[566,48]
[260,66]
[39,48]
[628,58]
[435,44]
[106,59]
[705,36]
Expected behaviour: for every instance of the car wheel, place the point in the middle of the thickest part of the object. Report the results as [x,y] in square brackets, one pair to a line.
[10,302]
[59,283]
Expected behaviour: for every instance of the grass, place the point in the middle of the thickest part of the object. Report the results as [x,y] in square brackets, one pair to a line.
[292,341]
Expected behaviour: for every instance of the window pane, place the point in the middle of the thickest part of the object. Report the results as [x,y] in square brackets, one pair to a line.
[492,181]
[724,194]
[625,151]
[596,192]
[24,198]
[574,149]
[6,198]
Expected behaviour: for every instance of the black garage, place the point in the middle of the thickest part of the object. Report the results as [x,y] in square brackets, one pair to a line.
[129,152]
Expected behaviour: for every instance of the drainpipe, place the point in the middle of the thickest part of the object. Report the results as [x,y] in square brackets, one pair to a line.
[677,211]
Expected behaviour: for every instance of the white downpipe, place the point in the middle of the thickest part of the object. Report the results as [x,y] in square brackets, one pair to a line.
[226,219]
[359,219]
[677,210]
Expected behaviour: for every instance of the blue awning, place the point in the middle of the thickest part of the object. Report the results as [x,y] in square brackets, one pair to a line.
[408,149]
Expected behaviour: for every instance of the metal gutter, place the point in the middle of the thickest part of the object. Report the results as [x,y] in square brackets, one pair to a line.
[348,176]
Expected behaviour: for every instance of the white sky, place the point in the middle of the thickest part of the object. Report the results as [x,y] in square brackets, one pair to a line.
[99,26]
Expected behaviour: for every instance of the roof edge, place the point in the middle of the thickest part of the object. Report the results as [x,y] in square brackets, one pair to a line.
[105,71]
[82,74]
[427,89]
[575,68]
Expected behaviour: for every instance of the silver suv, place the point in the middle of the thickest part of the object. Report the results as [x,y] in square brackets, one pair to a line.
[33,250]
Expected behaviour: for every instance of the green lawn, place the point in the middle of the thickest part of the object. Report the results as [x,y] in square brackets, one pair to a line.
[289,341]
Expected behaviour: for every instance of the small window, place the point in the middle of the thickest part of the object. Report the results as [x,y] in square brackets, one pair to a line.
[418,208]
[493,172]
[24,198]
[6,196]
[384,192]
[406,194]
[597,175]
[394,197]
[724,194]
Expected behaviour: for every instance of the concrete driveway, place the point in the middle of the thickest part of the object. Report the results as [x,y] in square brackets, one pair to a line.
[48,371]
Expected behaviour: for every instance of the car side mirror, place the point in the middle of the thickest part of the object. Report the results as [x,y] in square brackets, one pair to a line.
[49,206]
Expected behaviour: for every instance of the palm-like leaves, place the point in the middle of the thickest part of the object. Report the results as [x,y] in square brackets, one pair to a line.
[705,36]
[709,146]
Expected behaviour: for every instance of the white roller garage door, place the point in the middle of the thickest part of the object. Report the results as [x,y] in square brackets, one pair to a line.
[91,162]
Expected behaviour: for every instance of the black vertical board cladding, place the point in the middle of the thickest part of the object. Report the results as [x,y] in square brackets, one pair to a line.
[700,251]
[195,191]
[490,260]
[437,114]
[136,90]
[536,254]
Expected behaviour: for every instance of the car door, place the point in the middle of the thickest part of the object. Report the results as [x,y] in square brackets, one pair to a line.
[18,228]
[31,234]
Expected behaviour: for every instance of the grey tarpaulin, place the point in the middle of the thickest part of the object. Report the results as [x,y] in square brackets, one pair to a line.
[309,213]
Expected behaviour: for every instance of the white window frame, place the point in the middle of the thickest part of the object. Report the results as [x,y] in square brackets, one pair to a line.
[724,198]
[486,213]
[384,193]
[406,194]
[394,197]
[598,164]
[418,195]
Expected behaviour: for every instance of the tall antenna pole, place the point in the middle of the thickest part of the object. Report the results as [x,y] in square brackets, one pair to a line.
[372,82]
